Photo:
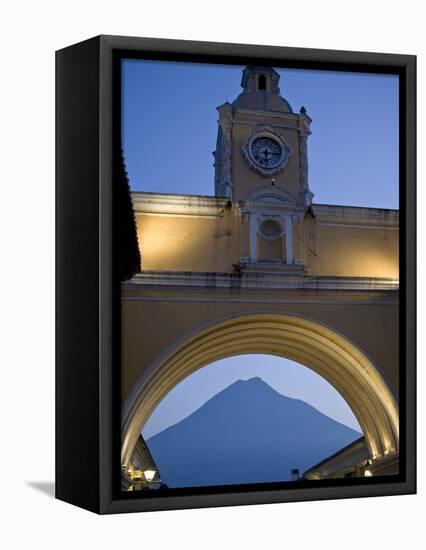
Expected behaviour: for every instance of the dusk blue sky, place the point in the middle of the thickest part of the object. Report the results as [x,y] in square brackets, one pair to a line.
[169,128]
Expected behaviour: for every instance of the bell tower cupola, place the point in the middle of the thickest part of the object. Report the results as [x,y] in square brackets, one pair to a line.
[261,165]
[261,142]
[261,90]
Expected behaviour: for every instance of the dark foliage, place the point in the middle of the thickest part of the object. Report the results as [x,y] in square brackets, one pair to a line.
[129,254]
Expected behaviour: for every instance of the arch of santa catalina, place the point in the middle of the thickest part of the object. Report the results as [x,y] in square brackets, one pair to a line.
[261,268]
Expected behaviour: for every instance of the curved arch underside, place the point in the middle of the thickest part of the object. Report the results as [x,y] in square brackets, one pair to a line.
[314,345]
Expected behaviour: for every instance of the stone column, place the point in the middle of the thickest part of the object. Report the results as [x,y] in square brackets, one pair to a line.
[289,240]
[305,194]
[253,237]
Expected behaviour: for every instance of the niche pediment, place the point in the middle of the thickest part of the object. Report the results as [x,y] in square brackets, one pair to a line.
[272,197]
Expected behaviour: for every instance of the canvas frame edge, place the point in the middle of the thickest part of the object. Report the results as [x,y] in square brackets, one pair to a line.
[105,408]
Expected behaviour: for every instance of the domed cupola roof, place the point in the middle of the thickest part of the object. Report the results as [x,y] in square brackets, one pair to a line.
[261,91]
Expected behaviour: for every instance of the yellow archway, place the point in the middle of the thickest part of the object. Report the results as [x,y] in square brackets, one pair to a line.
[308,342]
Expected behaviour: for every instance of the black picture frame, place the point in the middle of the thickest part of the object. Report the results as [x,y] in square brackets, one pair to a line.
[87,287]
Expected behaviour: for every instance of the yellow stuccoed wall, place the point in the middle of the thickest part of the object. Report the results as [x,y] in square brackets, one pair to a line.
[355,252]
[153,320]
[204,234]
[189,244]
[339,241]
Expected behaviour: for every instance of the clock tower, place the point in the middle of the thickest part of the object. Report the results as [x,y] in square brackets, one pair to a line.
[261,164]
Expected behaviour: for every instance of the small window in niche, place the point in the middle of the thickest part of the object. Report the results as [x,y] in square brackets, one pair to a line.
[262,82]
[270,229]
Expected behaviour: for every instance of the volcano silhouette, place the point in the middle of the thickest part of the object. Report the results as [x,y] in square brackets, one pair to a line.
[247,433]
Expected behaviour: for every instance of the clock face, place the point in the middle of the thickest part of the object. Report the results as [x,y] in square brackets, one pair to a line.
[266,152]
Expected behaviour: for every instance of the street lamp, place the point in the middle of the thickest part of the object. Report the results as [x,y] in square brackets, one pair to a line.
[149,475]
[367,471]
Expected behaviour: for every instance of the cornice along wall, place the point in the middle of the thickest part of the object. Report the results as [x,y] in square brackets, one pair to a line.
[199,205]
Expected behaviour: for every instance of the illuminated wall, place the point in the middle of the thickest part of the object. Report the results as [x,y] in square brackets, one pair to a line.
[206,234]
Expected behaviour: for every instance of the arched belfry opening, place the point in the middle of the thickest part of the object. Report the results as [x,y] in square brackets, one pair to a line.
[262,82]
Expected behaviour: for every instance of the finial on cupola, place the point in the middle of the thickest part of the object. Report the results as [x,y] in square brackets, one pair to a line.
[303,110]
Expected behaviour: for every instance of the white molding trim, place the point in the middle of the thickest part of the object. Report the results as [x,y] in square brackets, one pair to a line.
[359,226]
[288,239]
[271,124]
[257,280]
[279,198]
[156,203]
[294,117]
[229,300]
[253,237]
[350,214]
[172,215]
[197,205]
